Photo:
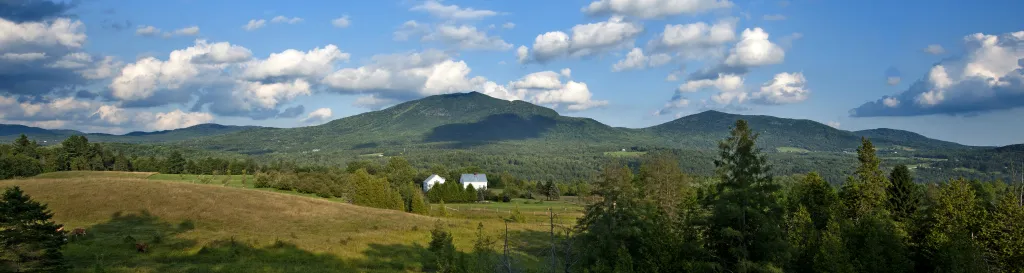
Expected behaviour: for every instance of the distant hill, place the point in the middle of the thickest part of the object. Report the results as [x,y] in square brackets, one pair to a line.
[907,139]
[10,132]
[473,129]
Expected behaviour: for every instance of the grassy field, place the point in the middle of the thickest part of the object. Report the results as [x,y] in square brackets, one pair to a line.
[214,228]
[94,174]
[624,154]
[792,150]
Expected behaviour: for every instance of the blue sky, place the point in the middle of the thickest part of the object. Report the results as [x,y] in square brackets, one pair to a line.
[119,66]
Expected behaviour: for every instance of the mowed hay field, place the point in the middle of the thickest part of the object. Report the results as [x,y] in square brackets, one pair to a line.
[213,228]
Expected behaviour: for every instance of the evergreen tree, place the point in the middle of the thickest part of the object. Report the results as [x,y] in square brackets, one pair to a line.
[175,163]
[375,192]
[443,249]
[745,228]
[831,255]
[29,241]
[418,205]
[866,192]
[904,195]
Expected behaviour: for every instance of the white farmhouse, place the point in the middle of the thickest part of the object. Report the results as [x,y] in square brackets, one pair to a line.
[478,180]
[432,181]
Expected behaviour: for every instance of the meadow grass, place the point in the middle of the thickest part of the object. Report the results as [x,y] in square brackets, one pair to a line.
[94,174]
[214,228]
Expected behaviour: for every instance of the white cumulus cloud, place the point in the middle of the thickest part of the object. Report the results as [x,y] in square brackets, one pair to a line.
[650,9]
[784,88]
[318,116]
[254,24]
[452,12]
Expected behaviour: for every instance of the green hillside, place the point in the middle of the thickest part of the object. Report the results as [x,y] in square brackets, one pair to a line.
[534,142]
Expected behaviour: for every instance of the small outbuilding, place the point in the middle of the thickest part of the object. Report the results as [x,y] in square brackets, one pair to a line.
[478,180]
[432,181]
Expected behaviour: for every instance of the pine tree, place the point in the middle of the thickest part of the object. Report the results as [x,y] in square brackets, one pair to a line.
[865,193]
[29,241]
[418,205]
[745,226]
[904,195]
[442,247]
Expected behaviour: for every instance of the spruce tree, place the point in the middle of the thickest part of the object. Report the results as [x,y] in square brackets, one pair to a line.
[745,228]
[29,240]
[865,192]
[175,163]
[904,197]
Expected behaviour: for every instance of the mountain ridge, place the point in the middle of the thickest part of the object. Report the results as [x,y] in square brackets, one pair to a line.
[465,117]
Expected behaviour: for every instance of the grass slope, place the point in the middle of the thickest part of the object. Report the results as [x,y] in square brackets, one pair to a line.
[212,228]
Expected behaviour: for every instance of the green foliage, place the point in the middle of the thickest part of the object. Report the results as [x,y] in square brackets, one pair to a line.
[745,225]
[1003,234]
[865,193]
[175,163]
[417,204]
[517,215]
[374,192]
[443,249]
[904,194]
[29,240]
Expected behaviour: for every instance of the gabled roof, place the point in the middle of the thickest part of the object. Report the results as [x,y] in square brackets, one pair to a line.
[473,178]
[432,178]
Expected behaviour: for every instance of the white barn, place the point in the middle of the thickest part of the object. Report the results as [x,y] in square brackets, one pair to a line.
[431,181]
[478,180]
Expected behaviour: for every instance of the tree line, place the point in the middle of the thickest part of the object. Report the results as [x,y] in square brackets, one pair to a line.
[657,218]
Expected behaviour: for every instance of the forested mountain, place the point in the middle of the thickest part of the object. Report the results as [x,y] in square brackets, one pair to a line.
[473,129]
[9,132]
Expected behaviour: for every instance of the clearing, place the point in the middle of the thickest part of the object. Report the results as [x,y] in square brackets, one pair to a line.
[212,227]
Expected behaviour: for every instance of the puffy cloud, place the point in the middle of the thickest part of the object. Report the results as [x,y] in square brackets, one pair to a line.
[147,31]
[142,79]
[784,88]
[586,39]
[724,82]
[833,124]
[636,59]
[254,24]
[316,62]
[891,102]
[774,17]
[990,76]
[466,37]
[60,33]
[649,9]
[508,25]
[404,76]
[677,102]
[538,80]
[174,119]
[754,49]
[695,36]
[934,49]
[566,72]
[188,31]
[269,95]
[452,12]
[341,22]
[283,19]
[318,115]
[522,54]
